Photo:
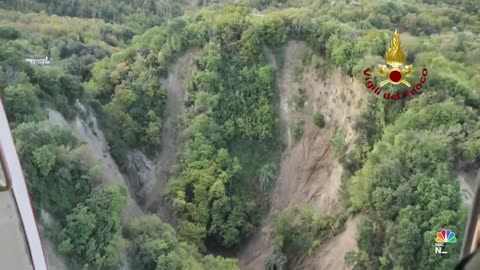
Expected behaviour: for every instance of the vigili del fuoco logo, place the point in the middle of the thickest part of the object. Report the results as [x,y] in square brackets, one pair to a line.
[396,72]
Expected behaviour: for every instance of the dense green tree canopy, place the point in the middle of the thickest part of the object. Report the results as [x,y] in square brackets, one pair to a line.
[155,247]
[92,230]
[139,15]
[404,163]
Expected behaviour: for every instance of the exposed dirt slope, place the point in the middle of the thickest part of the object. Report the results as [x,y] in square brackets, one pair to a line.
[310,172]
[331,255]
[88,131]
[176,91]
[96,148]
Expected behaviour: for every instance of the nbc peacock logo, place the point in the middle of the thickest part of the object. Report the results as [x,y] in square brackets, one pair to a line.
[446,236]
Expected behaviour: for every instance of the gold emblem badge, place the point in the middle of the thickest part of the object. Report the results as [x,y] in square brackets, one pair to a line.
[396,59]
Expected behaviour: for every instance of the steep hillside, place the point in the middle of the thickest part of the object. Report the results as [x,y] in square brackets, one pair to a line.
[227,166]
[175,84]
[244,130]
[331,254]
[311,157]
[88,132]
[310,172]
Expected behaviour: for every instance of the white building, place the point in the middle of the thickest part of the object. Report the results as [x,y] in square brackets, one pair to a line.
[45,61]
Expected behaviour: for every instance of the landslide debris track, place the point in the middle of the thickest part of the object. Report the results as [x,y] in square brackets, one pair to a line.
[88,131]
[310,172]
[154,196]
[96,146]
[96,149]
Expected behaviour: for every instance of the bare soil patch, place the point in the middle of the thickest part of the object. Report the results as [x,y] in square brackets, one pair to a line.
[330,255]
[310,172]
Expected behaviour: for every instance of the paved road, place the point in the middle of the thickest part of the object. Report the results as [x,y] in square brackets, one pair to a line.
[16,210]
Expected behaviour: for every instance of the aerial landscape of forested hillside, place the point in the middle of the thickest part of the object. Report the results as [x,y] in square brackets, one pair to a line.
[240,134]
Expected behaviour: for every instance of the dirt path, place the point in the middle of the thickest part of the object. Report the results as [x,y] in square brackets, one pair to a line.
[176,91]
[310,172]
